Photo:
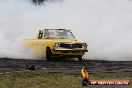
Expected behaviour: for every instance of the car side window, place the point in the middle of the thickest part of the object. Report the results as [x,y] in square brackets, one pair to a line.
[40,35]
[46,35]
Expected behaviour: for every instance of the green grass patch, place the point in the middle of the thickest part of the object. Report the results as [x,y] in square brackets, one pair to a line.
[40,79]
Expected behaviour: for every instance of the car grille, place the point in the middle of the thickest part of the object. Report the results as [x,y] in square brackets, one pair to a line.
[67,45]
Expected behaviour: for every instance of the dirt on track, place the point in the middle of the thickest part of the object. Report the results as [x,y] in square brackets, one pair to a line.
[65,66]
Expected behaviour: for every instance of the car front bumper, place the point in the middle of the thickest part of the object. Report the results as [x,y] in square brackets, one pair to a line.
[63,51]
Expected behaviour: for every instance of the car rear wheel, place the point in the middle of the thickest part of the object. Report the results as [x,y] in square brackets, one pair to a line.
[48,54]
[80,58]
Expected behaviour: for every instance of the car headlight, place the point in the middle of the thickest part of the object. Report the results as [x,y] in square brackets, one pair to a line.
[84,46]
[57,45]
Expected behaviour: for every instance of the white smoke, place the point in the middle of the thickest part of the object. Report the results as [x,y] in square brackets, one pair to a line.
[104,24]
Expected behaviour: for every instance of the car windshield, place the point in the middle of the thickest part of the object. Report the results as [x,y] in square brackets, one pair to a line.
[58,33]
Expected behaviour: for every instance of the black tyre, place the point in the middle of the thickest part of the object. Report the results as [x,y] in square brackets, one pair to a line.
[48,54]
[85,82]
[80,58]
[30,67]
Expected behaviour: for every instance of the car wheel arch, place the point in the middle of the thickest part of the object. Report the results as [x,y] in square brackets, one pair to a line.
[47,47]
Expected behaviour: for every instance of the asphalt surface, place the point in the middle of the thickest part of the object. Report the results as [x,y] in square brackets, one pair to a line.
[65,66]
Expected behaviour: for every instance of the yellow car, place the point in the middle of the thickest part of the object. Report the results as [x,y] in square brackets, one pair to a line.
[57,43]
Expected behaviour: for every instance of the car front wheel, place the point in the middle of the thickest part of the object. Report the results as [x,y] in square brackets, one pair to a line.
[48,54]
[80,58]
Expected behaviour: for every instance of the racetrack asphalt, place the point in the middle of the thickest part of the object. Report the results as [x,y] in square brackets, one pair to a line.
[65,66]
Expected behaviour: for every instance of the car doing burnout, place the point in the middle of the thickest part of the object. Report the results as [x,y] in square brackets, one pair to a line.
[57,43]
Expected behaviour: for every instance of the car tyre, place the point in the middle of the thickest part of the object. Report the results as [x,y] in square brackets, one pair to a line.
[80,58]
[48,54]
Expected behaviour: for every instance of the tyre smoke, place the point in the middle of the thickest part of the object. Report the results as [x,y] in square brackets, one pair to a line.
[106,25]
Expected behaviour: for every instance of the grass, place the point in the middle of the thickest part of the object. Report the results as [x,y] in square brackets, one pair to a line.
[40,79]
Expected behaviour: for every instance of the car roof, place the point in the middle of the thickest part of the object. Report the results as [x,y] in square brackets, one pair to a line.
[55,29]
